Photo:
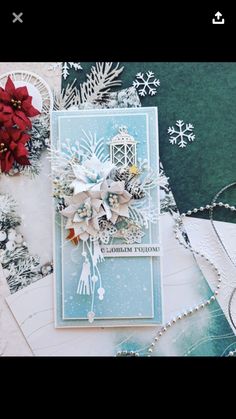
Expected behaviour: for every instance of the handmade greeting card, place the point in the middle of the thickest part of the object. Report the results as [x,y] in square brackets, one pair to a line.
[107,238]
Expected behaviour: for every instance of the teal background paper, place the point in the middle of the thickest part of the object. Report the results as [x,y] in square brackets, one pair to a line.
[133,285]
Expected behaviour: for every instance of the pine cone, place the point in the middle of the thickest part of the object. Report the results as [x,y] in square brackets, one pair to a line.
[122,174]
[60,205]
[136,191]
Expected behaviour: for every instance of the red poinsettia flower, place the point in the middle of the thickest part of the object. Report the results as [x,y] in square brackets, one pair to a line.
[5,113]
[12,148]
[16,106]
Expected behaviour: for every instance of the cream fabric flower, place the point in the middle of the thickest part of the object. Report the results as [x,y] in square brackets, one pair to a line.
[90,175]
[115,199]
[83,213]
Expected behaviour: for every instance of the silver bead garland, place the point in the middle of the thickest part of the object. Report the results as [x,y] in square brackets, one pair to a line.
[207,302]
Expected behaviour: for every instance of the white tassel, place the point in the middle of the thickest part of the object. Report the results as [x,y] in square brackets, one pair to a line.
[97,254]
[84,283]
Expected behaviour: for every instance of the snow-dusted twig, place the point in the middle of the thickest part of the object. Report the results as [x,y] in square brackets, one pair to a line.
[100,80]
[67,98]
[91,145]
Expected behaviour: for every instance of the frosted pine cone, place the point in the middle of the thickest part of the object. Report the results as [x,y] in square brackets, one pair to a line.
[136,191]
[60,205]
[122,174]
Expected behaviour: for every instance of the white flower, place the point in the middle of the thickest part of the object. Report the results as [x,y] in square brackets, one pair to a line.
[83,213]
[90,175]
[3,236]
[10,245]
[115,199]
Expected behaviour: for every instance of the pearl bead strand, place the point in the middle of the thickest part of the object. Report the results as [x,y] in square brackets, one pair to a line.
[205,303]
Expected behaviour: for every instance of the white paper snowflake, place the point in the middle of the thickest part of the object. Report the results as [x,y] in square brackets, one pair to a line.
[181,136]
[146,84]
[133,235]
[106,232]
[37,144]
[65,67]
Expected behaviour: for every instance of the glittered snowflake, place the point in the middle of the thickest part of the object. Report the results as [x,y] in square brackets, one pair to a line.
[182,135]
[65,67]
[146,84]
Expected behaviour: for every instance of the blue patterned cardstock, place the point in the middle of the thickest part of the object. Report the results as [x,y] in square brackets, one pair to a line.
[131,274]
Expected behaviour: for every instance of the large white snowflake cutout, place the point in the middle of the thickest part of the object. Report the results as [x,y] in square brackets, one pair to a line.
[65,67]
[146,84]
[181,136]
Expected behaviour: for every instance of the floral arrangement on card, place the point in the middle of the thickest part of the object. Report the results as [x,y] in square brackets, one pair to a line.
[102,197]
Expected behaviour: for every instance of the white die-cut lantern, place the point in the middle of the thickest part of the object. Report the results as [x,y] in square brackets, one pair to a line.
[123,148]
